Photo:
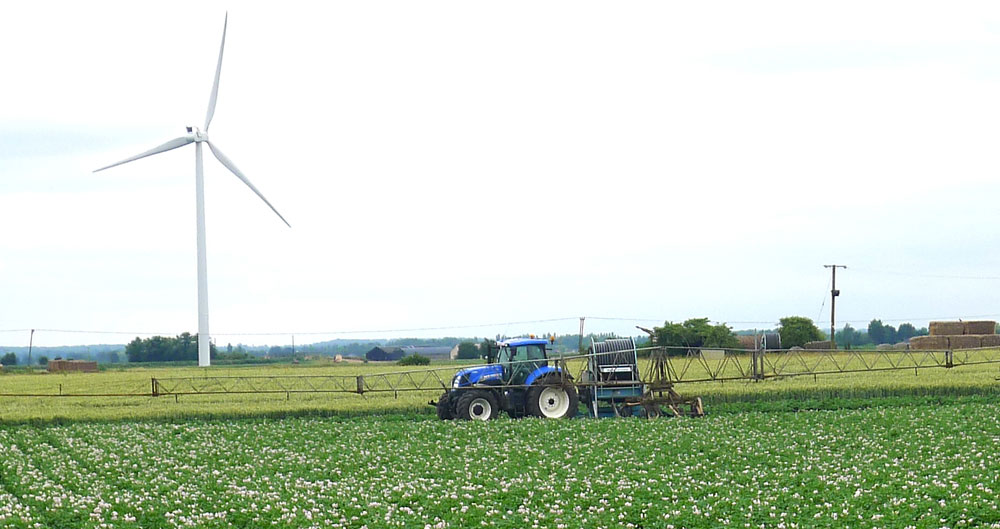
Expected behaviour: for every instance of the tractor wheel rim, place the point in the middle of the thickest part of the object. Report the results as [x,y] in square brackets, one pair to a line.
[480,409]
[553,402]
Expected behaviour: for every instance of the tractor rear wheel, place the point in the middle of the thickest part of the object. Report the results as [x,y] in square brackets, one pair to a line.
[552,398]
[477,406]
[445,409]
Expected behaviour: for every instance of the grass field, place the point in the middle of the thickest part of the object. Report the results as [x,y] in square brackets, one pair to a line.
[886,467]
[787,391]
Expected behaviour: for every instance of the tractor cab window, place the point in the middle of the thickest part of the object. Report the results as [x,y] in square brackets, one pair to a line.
[521,361]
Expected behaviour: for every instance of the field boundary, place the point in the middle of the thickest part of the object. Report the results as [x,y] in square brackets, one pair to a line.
[663,367]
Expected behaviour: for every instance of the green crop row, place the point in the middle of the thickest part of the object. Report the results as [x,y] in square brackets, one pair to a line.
[915,466]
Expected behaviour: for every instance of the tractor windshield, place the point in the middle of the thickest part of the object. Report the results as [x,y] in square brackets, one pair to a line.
[521,361]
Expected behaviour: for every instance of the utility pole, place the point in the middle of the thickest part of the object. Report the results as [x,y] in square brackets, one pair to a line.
[580,347]
[31,341]
[833,303]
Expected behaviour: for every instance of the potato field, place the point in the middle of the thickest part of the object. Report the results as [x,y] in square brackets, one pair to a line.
[925,465]
[879,450]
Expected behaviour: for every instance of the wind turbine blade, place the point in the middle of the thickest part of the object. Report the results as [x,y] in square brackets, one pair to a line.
[170,145]
[232,167]
[218,72]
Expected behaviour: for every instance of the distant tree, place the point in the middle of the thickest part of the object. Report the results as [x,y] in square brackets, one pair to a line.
[795,331]
[9,359]
[166,349]
[468,351]
[905,332]
[881,333]
[415,359]
[486,348]
[695,333]
[848,336]
[890,334]
[43,360]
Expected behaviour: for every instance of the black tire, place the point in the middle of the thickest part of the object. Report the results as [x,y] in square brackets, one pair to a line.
[552,398]
[651,411]
[477,405]
[445,410]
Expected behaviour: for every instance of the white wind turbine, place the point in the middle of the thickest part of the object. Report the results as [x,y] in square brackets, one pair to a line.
[197,137]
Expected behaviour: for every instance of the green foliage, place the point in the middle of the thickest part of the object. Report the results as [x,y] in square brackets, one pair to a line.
[488,349]
[468,351]
[695,333]
[43,360]
[795,331]
[848,337]
[905,332]
[880,333]
[928,465]
[415,359]
[9,359]
[166,349]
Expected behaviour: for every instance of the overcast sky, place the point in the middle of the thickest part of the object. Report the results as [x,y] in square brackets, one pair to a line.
[451,164]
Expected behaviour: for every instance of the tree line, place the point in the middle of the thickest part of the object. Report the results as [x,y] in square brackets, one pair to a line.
[795,331]
[183,347]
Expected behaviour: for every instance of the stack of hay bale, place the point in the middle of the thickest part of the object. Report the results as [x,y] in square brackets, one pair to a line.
[958,335]
[62,366]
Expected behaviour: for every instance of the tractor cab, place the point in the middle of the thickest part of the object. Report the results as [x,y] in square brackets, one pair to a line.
[519,359]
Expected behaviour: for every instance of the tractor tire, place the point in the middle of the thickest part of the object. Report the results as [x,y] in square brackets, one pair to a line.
[477,406]
[552,398]
[445,408]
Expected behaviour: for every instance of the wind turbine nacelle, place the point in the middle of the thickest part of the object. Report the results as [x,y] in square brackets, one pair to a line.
[196,134]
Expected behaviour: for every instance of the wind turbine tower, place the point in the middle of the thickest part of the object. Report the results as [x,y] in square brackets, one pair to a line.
[197,137]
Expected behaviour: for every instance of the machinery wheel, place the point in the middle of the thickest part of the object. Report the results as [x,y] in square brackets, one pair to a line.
[445,410]
[651,411]
[477,406]
[551,398]
[624,410]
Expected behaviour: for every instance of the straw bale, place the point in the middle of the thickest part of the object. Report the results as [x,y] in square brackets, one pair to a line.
[884,347]
[968,341]
[72,365]
[929,343]
[980,327]
[947,328]
[824,344]
[747,341]
[903,346]
[991,340]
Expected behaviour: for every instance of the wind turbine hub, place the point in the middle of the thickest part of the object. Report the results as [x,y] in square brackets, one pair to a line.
[196,134]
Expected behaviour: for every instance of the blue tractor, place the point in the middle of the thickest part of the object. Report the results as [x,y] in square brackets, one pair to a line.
[517,379]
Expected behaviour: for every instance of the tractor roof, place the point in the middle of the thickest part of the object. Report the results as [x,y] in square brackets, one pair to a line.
[517,342]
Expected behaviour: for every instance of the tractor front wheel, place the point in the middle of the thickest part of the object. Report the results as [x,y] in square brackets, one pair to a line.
[552,399]
[478,406]
[445,409]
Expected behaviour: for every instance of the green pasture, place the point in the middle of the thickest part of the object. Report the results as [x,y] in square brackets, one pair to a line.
[978,379]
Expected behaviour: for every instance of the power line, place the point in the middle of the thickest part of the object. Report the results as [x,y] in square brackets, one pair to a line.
[473,326]
[823,304]
[926,276]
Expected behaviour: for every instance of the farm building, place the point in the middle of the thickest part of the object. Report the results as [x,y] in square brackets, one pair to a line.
[382,353]
[440,352]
